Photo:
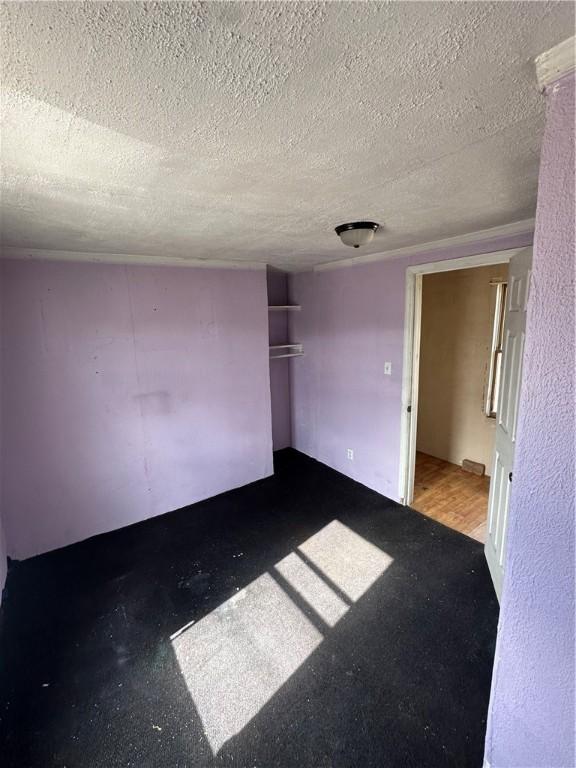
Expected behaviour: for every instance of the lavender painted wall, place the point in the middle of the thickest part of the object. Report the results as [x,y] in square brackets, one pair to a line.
[352,321]
[3,559]
[531,720]
[128,392]
[279,369]
[3,548]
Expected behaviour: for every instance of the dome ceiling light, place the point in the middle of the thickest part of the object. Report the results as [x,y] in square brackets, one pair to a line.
[357,233]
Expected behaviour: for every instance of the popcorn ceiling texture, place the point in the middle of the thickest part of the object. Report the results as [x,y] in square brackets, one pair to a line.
[532,708]
[247,131]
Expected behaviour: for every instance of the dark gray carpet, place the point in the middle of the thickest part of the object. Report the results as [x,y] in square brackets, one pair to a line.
[300,621]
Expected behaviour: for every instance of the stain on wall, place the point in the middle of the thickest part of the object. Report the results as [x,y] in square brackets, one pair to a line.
[127,392]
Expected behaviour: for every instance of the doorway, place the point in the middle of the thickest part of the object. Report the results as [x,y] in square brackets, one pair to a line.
[456,416]
[451,418]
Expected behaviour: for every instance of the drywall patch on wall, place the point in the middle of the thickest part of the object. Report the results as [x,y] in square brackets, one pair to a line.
[455,349]
[351,323]
[127,392]
[531,718]
[278,329]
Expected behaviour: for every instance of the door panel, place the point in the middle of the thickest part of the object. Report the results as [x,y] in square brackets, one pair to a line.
[507,416]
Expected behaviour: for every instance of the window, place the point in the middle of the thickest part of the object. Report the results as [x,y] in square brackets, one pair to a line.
[496,356]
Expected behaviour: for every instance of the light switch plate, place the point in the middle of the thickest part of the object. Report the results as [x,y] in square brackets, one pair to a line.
[388,369]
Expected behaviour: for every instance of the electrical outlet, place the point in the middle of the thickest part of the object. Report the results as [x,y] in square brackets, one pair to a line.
[388,369]
[350,454]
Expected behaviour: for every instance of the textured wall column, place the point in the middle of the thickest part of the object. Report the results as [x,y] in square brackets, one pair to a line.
[531,719]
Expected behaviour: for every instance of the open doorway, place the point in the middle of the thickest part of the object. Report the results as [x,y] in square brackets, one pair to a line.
[464,341]
[459,370]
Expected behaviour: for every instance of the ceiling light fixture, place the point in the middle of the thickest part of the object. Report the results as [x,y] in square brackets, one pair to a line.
[357,233]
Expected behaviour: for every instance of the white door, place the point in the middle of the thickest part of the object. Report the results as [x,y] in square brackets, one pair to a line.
[507,413]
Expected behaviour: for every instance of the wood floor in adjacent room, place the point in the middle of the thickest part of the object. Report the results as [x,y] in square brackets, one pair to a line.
[452,496]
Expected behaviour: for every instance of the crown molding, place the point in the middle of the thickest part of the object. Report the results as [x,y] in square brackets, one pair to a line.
[507,230]
[15,252]
[555,63]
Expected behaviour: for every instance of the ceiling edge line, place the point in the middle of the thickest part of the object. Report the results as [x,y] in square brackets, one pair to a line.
[526,226]
[555,63]
[90,257]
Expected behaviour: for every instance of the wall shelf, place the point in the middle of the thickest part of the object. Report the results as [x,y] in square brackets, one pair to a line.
[284,308]
[293,350]
[286,346]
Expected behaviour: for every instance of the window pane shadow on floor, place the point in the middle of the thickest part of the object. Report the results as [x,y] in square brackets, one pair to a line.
[308,623]
[236,658]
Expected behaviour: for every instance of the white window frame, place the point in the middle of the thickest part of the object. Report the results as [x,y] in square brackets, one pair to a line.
[496,348]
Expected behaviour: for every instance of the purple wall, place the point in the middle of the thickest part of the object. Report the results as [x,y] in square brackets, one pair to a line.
[341,399]
[352,321]
[279,369]
[128,392]
[532,708]
[3,559]
[3,548]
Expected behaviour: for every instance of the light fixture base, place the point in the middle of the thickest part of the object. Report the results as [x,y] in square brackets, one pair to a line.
[357,233]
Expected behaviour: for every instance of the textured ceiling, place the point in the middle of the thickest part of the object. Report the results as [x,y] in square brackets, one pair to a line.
[247,131]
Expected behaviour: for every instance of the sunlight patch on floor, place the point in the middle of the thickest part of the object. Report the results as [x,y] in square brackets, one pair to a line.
[236,658]
[346,558]
[327,604]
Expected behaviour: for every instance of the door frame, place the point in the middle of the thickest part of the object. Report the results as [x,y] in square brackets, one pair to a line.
[411,360]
